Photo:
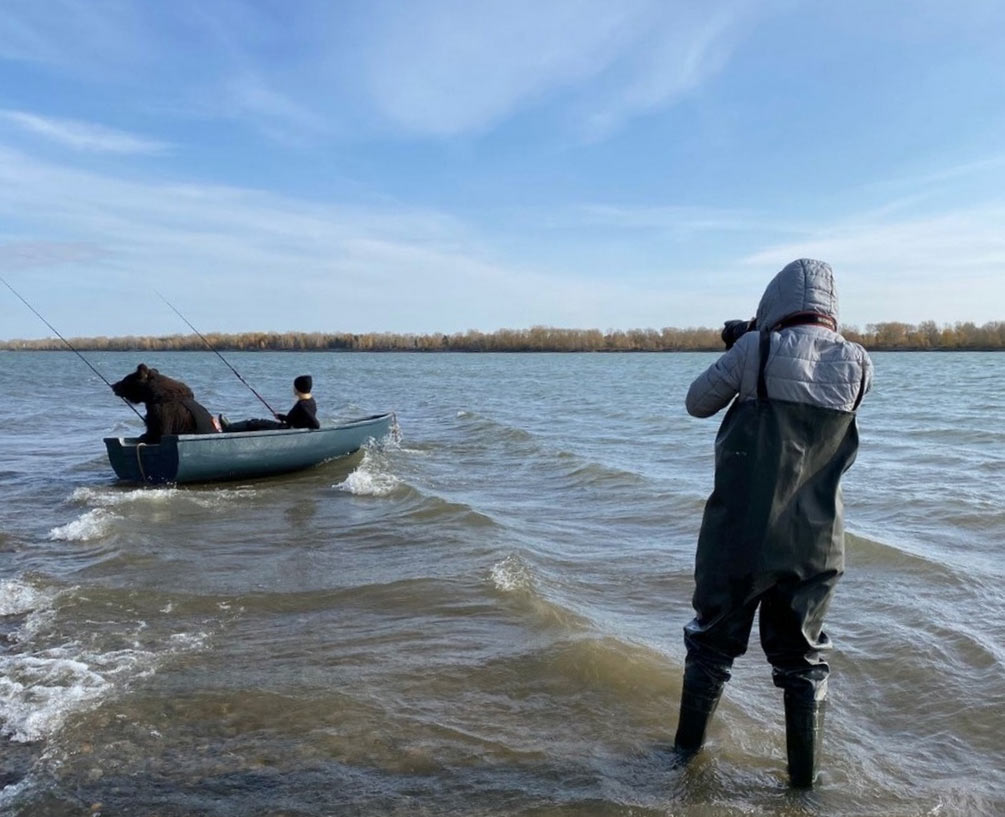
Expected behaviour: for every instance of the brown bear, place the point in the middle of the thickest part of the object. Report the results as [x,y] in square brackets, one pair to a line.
[171,407]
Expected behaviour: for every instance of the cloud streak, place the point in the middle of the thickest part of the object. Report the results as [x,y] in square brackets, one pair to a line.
[447,68]
[256,260]
[242,259]
[83,136]
[908,269]
[427,68]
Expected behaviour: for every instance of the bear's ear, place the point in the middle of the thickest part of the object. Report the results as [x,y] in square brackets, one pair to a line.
[142,369]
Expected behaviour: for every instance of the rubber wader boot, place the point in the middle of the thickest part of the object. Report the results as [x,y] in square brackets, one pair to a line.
[804,729]
[697,705]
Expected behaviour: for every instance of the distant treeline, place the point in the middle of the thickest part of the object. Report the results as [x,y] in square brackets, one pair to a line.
[879,336]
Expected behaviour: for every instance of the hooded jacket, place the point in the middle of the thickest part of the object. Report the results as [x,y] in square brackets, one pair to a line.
[806,363]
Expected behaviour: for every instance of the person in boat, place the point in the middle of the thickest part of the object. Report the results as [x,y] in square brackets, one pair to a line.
[304,413]
[771,536]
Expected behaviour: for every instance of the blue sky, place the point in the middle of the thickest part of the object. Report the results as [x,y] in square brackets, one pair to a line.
[444,165]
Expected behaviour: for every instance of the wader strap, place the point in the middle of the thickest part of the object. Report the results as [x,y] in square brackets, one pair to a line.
[764,349]
[861,391]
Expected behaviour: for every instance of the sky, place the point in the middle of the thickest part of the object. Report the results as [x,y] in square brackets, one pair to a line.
[443,165]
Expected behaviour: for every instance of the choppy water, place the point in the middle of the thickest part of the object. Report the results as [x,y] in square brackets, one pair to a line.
[485,617]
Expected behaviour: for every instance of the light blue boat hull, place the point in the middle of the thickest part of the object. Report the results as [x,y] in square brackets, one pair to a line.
[184,458]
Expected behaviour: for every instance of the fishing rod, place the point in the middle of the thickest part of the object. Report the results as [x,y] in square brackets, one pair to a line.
[69,345]
[212,349]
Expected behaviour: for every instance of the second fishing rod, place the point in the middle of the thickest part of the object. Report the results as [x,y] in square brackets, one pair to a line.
[213,349]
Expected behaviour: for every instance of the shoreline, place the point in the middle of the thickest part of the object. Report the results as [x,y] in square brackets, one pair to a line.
[696,350]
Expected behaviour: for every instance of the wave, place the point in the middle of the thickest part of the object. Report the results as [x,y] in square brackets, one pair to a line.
[437,509]
[609,662]
[110,497]
[583,473]
[45,680]
[499,430]
[91,525]
[19,597]
[373,476]
[869,552]
[515,579]
[107,505]
[38,692]
[558,465]
[512,575]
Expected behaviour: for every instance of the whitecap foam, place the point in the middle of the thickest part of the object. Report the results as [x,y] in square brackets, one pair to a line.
[11,792]
[17,597]
[39,691]
[363,483]
[111,498]
[88,526]
[187,642]
[512,574]
[216,497]
[372,477]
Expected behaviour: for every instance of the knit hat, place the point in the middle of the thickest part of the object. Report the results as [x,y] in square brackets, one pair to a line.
[303,384]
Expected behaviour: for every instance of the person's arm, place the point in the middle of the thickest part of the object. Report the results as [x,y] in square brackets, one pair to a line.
[311,414]
[715,388]
[866,363]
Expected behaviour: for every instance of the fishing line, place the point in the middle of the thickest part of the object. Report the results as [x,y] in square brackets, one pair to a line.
[212,349]
[69,345]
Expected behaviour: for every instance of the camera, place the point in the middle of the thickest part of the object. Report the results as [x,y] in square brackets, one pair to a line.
[732,330]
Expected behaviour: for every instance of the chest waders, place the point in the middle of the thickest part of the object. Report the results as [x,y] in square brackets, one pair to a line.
[771,538]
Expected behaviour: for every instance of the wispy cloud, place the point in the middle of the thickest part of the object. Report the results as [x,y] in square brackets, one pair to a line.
[251,259]
[964,240]
[428,68]
[946,267]
[681,46]
[27,254]
[83,136]
[684,220]
[445,68]
[942,175]
[258,260]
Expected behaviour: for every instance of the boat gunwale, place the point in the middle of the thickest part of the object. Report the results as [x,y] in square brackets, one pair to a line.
[221,436]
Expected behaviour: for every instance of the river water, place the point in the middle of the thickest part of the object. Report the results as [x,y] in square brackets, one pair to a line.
[484,616]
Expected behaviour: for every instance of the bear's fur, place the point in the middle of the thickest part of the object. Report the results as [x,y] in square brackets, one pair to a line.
[171,406]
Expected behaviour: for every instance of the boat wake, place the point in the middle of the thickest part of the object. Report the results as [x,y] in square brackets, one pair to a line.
[373,476]
[91,525]
[107,504]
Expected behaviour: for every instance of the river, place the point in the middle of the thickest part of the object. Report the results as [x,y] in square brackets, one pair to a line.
[484,616]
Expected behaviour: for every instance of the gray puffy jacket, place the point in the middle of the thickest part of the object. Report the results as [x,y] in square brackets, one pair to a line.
[806,364]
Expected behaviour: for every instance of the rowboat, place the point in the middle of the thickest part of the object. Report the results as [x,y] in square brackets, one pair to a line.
[182,458]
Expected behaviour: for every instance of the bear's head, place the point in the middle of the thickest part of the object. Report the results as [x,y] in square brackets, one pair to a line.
[147,385]
[135,387]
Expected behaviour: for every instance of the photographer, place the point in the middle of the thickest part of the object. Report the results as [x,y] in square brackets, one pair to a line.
[771,536]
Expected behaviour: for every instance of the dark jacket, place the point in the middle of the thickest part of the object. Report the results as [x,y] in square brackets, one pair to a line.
[302,415]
